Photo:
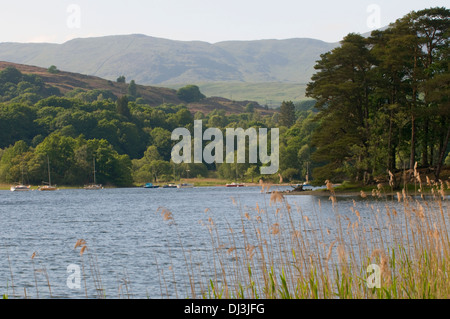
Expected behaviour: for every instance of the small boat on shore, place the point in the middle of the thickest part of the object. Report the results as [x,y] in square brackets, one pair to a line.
[170,186]
[150,185]
[185,185]
[235,185]
[93,187]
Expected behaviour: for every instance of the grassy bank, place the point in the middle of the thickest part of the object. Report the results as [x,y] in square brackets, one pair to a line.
[352,188]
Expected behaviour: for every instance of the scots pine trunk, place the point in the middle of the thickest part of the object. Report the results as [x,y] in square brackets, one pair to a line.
[441,155]
[412,158]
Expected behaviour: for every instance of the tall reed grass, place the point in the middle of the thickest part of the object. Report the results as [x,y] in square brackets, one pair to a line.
[281,252]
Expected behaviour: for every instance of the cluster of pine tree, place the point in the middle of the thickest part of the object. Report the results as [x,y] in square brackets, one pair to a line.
[383,101]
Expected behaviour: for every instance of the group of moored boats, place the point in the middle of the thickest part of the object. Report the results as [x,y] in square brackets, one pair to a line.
[25,188]
[186,185]
[183,185]
[47,188]
[50,187]
[95,186]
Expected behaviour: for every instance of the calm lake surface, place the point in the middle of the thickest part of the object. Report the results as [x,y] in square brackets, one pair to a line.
[129,241]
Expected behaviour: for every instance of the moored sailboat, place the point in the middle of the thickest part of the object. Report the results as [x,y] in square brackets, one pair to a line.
[94,186]
[48,187]
[20,188]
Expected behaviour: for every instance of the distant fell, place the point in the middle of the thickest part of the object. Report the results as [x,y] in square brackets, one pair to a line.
[150,60]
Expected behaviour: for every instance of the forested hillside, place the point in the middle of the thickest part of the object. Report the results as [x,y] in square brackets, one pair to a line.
[128,138]
[380,107]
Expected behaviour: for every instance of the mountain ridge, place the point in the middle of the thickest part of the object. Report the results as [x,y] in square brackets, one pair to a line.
[151,60]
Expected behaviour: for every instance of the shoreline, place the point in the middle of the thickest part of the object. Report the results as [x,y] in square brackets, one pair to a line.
[337,193]
[218,183]
[322,192]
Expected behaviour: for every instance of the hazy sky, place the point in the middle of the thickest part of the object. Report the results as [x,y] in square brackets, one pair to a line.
[213,21]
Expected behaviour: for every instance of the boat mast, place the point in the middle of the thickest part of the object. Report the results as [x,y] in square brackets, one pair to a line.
[23,180]
[307,172]
[49,178]
[94,171]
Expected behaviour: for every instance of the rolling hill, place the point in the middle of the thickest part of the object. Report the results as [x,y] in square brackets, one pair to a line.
[152,95]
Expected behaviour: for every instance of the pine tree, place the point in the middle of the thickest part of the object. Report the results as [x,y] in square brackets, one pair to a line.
[132,89]
[342,87]
[287,113]
[122,107]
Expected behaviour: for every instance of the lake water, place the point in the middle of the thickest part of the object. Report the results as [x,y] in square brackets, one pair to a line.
[129,244]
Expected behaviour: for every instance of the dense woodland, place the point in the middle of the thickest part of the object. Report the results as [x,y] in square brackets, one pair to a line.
[378,105]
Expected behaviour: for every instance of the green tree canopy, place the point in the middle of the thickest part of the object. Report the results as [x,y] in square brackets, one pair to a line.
[190,93]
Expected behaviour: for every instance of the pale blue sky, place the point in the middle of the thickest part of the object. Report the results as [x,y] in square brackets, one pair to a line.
[204,20]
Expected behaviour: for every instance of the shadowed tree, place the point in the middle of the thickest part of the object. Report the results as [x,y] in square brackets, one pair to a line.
[287,114]
[122,107]
[132,89]
[341,87]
